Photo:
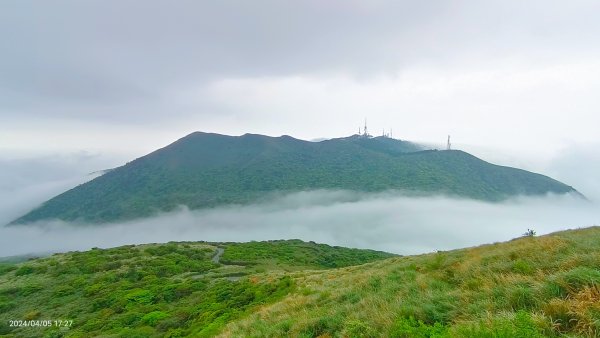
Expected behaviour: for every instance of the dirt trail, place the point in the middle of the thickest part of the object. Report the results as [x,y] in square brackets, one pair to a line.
[217,257]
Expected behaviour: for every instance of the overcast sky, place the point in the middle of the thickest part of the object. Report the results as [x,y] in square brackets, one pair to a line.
[89,85]
[122,78]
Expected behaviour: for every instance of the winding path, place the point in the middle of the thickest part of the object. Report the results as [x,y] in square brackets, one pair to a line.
[217,257]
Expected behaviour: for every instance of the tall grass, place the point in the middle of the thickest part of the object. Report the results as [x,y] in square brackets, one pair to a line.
[528,287]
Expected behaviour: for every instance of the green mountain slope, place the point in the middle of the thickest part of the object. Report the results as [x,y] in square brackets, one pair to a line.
[157,290]
[546,286]
[205,170]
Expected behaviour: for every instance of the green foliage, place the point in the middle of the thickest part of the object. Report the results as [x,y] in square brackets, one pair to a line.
[29,289]
[528,287]
[412,328]
[6,305]
[24,270]
[170,290]
[154,317]
[6,267]
[547,286]
[323,326]
[140,297]
[523,267]
[205,170]
[520,325]
[299,253]
[360,329]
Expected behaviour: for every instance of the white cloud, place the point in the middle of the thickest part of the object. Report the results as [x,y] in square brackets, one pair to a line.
[388,221]
[495,73]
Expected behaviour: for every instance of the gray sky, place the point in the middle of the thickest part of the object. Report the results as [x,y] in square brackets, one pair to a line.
[122,78]
[89,85]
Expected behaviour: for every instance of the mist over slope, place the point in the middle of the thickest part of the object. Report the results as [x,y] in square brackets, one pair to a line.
[206,170]
[389,222]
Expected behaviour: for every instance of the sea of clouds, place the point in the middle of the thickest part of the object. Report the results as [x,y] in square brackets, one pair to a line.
[389,221]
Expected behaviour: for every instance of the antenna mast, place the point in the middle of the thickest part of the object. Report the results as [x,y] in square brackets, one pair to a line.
[449,145]
[365,130]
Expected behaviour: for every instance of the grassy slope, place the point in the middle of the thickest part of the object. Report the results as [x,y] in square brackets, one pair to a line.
[156,290]
[205,170]
[528,287]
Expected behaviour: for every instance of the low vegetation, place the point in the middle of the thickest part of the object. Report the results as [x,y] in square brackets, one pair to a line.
[157,290]
[546,286]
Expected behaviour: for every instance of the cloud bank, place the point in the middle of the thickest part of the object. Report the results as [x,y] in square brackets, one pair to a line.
[387,221]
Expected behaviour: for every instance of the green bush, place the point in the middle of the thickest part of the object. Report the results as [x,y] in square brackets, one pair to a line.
[30,289]
[140,296]
[522,267]
[412,328]
[6,306]
[154,317]
[521,325]
[522,296]
[24,270]
[360,329]
[5,268]
[330,325]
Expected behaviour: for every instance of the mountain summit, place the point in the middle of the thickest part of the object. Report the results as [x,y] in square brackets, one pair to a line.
[205,170]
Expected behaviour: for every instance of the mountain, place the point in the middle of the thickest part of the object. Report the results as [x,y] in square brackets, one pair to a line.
[204,170]
[544,286]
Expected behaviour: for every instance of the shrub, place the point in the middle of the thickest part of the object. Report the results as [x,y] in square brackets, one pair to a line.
[521,296]
[325,325]
[140,296]
[30,289]
[5,268]
[154,317]
[570,282]
[31,315]
[6,306]
[411,328]
[520,325]
[360,329]
[522,267]
[25,270]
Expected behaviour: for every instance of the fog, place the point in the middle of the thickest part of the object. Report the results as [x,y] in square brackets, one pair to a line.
[389,221]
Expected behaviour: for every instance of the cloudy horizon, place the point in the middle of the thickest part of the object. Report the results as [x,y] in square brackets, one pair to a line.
[502,75]
[86,86]
[388,221]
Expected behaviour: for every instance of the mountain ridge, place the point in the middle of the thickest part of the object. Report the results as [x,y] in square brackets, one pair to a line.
[203,170]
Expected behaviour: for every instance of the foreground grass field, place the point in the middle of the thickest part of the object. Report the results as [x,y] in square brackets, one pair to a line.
[529,287]
[545,286]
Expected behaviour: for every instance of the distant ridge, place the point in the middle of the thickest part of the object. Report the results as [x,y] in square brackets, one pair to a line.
[203,170]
